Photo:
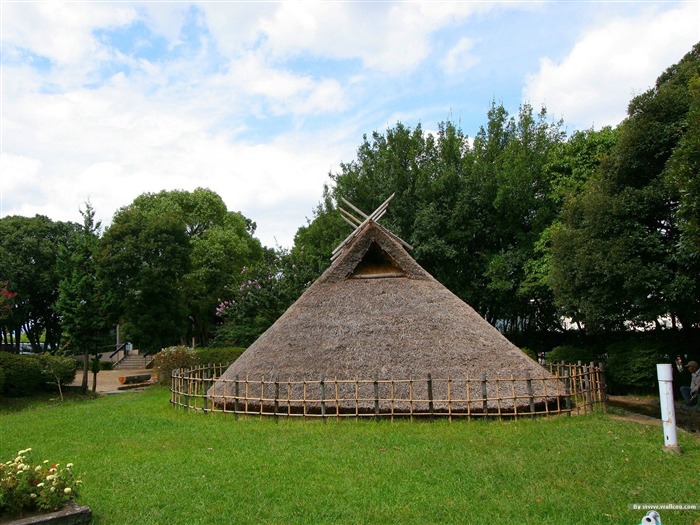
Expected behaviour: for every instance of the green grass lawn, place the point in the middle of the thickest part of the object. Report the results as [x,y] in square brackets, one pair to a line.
[142,461]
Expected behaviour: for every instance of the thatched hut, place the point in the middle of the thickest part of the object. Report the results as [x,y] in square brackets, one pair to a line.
[376,314]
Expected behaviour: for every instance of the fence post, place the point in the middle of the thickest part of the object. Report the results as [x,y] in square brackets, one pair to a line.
[603,386]
[235,395]
[530,392]
[484,394]
[567,392]
[430,396]
[376,400]
[277,396]
[206,375]
[323,398]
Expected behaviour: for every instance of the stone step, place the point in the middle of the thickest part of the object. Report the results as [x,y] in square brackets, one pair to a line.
[132,362]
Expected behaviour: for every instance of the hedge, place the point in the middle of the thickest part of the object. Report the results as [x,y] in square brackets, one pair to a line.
[26,374]
[572,355]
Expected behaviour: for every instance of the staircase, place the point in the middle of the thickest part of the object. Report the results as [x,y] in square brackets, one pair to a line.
[133,362]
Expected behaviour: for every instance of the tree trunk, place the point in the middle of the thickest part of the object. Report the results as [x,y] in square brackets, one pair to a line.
[85,372]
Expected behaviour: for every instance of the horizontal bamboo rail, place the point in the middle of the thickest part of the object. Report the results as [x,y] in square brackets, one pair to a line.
[578,389]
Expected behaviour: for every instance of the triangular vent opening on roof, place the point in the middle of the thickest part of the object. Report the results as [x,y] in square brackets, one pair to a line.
[376,264]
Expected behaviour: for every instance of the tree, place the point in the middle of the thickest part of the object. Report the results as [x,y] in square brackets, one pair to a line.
[619,255]
[169,259]
[28,263]
[473,213]
[267,289]
[80,302]
[6,301]
[143,258]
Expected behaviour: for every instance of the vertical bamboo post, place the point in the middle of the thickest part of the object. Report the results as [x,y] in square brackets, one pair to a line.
[588,384]
[449,399]
[484,394]
[322,384]
[530,393]
[277,396]
[469,404]
[246,390]
[410,396]
[603,386]
[303,402]
[262,394]
[236,391]
[393,395]
[376,399]
[357,399]
[567,392]
[515,396]
[225,385]
[498,397]
[337,395]
[206,376]
[430,396]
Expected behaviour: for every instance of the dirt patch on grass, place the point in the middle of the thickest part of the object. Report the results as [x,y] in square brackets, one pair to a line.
[650,408]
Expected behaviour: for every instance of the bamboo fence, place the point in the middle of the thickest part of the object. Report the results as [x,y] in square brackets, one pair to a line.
[570,389]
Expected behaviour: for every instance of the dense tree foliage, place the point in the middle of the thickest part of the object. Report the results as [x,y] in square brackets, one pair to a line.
[474,210]
[626,250]
[533,229]
[266,290]
[168,259]
[29,248]
[80,303]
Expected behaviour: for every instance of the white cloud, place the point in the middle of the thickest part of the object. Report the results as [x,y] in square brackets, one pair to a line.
[611,64]
[460,58]
[287,92]
[60,31]
[388,37]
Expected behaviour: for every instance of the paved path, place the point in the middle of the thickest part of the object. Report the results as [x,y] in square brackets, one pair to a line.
[108,380]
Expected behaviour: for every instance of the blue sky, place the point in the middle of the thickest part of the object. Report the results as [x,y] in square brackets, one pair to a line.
[259,101]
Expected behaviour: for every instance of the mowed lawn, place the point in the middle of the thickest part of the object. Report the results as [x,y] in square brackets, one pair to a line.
[144,462]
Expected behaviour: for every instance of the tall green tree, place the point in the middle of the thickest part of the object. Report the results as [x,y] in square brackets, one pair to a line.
[169,259]
[80,303]
[619,255]
[28,263]
[473,211]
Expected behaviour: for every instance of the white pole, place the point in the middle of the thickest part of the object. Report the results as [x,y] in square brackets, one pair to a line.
[668,413]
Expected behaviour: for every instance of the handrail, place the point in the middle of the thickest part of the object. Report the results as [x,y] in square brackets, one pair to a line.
[122,347]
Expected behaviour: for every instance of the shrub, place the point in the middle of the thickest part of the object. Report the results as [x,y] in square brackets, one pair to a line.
[218,356]
[26,487]
[2,380]
[572,354]
[23,374]
[57,368]
[631,365]
[26,374]
[172,358]
[530,353]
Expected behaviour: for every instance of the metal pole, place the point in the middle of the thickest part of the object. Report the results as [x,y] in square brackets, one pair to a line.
[668,413]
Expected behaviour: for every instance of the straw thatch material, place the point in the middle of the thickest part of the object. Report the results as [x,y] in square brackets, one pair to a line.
[377,314]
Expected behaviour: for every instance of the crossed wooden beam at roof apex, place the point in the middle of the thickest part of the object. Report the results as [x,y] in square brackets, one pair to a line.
[358,223]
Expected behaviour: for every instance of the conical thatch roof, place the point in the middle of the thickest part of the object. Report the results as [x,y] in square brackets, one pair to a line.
[377,314]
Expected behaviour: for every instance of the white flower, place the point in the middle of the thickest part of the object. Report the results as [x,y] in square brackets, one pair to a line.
[53,489]
[49,478]
[70,465]
[67,490]
[37,469]
[32,495]
[40,485]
